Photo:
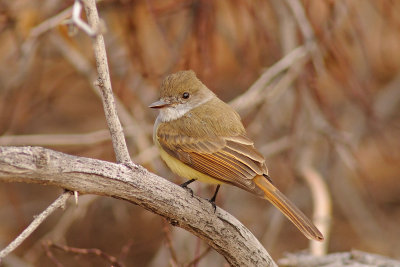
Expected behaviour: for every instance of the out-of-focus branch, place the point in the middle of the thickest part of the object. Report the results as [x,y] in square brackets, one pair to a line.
[308,33]
[322,211]
[276,146]
[55,139]
[58,232]
[253,94]
[354,258]
[49,24]
[59,202]
[92,30]
[89,176]
[349,198]
[86,251]
[388,99]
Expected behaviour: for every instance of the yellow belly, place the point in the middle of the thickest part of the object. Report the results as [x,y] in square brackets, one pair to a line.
[185,171]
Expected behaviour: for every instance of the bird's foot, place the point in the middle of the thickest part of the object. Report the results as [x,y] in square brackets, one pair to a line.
[185,186]
[212,201]
[214,197]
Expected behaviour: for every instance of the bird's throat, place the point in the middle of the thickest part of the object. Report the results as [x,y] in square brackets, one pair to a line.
[178,111]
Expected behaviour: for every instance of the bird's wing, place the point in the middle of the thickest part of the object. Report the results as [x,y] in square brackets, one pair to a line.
[231,159]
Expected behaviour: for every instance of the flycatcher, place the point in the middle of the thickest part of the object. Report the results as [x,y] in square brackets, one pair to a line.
[200,137]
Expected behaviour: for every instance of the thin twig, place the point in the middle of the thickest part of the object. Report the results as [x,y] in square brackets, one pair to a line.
[199,257]
[276,146]
[255,91]
[146,156]
[13,260]
[59,202]
[322,210]
[58,232]
[82,64]
[50,23]
[50,255]
[341,259]
[350,199]
[104,84]
[87,251]
[125,250]
[56,139]
[81,139]
[168,241]
[76,19]
[308,33]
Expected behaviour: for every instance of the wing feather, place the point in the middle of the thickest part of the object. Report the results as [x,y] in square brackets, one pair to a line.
[237,163]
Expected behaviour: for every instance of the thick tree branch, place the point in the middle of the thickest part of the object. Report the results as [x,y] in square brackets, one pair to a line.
[90,176]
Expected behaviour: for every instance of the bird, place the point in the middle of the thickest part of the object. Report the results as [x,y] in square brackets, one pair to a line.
[200,137]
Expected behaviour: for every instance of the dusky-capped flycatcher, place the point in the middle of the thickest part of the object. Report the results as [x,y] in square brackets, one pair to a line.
[200,137]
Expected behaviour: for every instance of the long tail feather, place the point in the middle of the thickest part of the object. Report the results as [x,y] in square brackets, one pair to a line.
[272,194]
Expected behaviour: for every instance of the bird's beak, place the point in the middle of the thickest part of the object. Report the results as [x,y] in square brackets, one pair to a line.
[159,104]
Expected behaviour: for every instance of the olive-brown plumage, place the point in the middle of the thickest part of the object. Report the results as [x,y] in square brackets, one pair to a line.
[201,137]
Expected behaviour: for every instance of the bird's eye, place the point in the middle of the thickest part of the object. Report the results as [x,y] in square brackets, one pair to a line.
[185,95]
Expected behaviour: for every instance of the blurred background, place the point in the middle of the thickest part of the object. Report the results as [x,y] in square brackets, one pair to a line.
[317,84]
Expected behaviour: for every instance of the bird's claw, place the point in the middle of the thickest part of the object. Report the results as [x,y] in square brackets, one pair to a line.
[185,186]
[212,201]
[188,189]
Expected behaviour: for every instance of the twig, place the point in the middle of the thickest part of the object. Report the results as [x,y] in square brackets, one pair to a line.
[308,33]
[199,257]
[76,19]
[276,146]
[104,84]
[146,156]
[58,232]
[59,202]
[254,92]
[388,99]
[13,260]
[90,176]
[349,198]
[80,139]
[56,139]
[168,241]
[322,202]
[354,258]
[50,255]
[83,66]
[86,251]
[125,250]
[49,23]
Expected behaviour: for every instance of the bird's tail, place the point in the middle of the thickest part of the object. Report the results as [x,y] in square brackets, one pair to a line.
[272,194]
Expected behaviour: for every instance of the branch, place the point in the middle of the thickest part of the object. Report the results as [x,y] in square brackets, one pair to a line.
[85,251]
[322,201]
[76,18]
[84,67]
[104,84]
[90,176]
[59,231]
[59,202]
[354,258]
[252,95]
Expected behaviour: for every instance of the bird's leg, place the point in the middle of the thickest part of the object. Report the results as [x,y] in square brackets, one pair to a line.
[212,200]
[185,185]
